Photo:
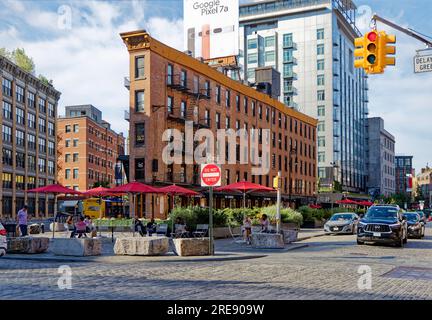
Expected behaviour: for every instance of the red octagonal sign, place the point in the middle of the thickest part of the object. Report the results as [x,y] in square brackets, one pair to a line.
[210,175]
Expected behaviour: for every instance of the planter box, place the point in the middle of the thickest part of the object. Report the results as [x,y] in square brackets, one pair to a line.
[289,226]
[267,241]
[313,224]
[27,245]
[290,236]
[192,247]
[224,232]
[79,247]
[141,246]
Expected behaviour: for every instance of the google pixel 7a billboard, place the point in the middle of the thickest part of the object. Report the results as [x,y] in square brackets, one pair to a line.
[211,28]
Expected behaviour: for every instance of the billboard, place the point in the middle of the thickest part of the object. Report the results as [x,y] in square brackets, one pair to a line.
[211,28]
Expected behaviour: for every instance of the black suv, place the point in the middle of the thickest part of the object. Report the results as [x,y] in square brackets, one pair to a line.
[383,224]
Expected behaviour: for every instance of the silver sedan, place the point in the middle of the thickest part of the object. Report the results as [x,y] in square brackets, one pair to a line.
[342,223]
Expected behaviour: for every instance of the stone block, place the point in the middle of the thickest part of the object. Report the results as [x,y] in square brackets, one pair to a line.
[290,236]
[78,247]
[141,246]
[59,227]
[34,228]
[267,241]
[192,247]
[27,245]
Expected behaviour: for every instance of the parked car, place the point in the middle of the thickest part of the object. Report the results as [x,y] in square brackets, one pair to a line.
[345,223]
[422,217]
[3,242]
[416,226]
[383,224]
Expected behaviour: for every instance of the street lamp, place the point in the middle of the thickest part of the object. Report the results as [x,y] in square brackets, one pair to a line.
[292,152]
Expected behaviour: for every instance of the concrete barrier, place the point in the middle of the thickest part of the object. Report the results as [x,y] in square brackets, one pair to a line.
[141,246]
[192,247]
[267,241]
[27,245]
[290,236]
[79,247]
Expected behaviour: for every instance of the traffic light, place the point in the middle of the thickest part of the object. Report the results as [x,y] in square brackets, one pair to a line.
[373,49]
[277,183]
[386,39]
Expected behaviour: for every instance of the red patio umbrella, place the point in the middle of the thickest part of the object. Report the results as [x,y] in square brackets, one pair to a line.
[54,189]
[244,187]
[365,203]
[315,206]
[346,201]
[134,188]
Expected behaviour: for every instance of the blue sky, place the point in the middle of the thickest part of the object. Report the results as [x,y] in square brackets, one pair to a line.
[84,55]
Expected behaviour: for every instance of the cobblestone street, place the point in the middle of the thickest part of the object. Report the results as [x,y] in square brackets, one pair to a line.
[326,269]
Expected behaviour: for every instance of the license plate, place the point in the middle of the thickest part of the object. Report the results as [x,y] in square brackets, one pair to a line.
[377,234]
[335,229]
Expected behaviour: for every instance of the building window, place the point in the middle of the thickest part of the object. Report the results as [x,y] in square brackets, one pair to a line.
[227,122]
[253,58]
[31,163]
[260,112]
[320,49]
[321,111]
[183,78]
[51,167]
[75,157]
[51,110]
[251,73]
[321,126]
[321,141]
[7,133]
[139,101]
[218,120]
[237,102]
[20,138]
[51,148]
[42,165]
[75,143]
[170,74]
[7,110]
[196,88]
[75,128]
[321,157]
[7,87]
[218,94]
[31,100]
[245,105]
[139,67]
[31,120]
[139,169]
[288,70]
[287,40]
[320,64]
[320,34]
[67,128]
[51,129]
[42,125]
[270,56]
[42,145]
[321,95]
[7,157]
[19,94]
[252,44]
[207,88]
[207,117]
[31,141]
[75,173]
[42,107]
[320,80]
[170,104]
[287,56]
[183,109]
[6,182]
[139,134]
[270,41]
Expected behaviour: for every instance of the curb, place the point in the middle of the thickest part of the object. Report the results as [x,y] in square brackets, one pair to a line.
[310,237]
[130,259]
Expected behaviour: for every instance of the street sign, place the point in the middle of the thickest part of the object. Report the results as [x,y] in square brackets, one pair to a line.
[423,63]
[210,175]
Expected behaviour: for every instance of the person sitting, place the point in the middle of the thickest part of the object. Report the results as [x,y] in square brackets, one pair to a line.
[71,226]
[180,228]
[139,227]
[151,227]
[264,223]
[81,228]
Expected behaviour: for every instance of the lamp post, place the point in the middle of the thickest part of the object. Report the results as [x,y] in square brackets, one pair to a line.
[292,152]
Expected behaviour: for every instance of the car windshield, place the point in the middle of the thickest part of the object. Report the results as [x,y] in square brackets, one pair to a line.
[412,217]
[341,217]
[382,213]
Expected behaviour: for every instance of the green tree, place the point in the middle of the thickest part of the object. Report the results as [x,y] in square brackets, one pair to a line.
[22,60]
[103,184]
[419,194]
[45,80]
[5,53]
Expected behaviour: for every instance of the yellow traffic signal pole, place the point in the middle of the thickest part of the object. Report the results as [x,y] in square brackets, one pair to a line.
[408,32]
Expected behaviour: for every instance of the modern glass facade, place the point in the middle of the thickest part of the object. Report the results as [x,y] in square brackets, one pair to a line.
[314,49]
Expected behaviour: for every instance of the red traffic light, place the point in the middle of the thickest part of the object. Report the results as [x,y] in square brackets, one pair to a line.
[372,36]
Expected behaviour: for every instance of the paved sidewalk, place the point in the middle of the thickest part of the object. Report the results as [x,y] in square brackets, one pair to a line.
[305,234]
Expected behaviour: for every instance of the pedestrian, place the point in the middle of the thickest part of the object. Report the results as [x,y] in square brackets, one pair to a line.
[139,227]
[81,228]
[22,221]
[71,226]
[264,223]
[151,227]
[247,225]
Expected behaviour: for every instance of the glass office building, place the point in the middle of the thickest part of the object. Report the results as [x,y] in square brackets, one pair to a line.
[310,42]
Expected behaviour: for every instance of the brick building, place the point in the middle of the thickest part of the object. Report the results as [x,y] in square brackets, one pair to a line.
[404,174]
[28,144]
[168,87]
[88,148]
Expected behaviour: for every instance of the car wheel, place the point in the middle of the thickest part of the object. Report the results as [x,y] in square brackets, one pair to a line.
[360,242]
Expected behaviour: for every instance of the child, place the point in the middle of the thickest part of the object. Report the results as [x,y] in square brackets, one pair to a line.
[247,225]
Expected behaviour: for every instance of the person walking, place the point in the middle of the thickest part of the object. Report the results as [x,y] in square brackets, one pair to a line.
[22,221]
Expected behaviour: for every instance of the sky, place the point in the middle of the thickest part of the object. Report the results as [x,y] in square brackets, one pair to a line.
[76,43]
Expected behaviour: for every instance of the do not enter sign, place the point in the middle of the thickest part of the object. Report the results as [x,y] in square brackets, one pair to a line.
[211,175]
